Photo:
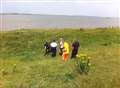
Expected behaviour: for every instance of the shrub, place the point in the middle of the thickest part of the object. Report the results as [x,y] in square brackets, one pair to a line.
[82,63]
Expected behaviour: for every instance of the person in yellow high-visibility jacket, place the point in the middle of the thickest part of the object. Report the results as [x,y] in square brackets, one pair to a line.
[65,51]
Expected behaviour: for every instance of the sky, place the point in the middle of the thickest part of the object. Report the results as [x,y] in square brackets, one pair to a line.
[101,8]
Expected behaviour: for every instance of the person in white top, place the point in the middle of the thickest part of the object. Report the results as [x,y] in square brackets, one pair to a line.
[61,46]
[53,46]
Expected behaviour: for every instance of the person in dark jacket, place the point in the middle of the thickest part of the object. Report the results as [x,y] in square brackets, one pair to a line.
[75,47]
[47,48]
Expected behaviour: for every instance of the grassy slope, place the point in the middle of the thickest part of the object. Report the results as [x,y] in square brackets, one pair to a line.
[25,49]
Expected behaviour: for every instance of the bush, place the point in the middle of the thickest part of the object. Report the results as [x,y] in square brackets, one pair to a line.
[82,63]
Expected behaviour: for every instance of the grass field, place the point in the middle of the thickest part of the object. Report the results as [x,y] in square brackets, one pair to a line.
[22,64]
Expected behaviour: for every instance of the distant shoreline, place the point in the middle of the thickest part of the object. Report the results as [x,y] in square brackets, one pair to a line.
[55,15]
[36,21]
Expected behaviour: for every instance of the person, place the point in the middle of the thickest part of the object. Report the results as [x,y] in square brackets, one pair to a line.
[53,46]
[65,51]
[75,46]
[47,48]
[61,44]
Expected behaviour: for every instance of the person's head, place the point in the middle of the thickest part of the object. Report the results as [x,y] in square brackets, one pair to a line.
[54,40]
[76,40]
[61,39]
[46,42]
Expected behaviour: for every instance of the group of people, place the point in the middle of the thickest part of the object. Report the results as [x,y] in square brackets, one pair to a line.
[64,48]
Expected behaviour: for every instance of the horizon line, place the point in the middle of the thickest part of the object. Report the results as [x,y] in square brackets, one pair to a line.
[15,13]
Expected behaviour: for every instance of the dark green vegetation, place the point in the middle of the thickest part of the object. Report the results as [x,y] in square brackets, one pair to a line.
[22,64]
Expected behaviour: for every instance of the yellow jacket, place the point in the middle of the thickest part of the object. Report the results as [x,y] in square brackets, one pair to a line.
[66,48]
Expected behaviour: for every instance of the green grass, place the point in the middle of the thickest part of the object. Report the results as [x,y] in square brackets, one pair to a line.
[33,70]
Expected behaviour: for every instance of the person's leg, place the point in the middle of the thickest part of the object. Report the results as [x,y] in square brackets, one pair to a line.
[45,52]
[76,52]
[49,50]
[55,51]
[60,52]
[52,52]
[65,57]
[72,54]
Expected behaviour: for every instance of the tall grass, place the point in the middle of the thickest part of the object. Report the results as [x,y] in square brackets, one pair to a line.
[22,64]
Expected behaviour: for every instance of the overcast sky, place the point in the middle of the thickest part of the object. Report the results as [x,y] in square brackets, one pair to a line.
[103,8]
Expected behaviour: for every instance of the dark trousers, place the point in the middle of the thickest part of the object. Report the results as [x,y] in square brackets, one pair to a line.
[53,51]
[74,53]
[61,51]
[47,51]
